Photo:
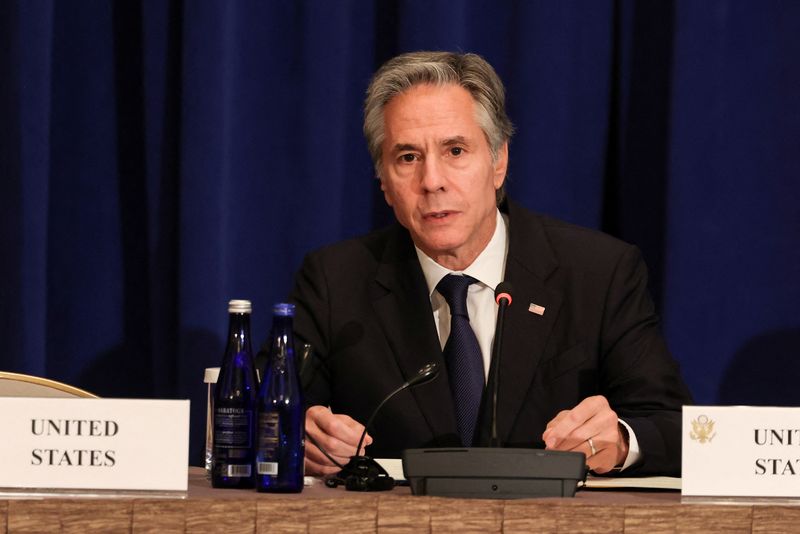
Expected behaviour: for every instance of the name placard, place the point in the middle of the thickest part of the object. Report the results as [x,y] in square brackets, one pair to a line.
[106,444]
[741,451]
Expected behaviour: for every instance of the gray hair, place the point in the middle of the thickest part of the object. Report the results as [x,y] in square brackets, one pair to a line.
[469,71]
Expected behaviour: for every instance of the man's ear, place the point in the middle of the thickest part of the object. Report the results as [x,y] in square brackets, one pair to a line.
[386,195]
[501,166]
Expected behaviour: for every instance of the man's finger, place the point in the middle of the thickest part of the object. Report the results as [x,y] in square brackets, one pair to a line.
[315,454]
[557,419]
[601,427]
[571,427]
[604,448]
[316,469]
[334,435]
[340,426]
[332,444]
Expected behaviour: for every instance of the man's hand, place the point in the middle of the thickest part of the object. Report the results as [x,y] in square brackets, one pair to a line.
[338,434]
[593,419]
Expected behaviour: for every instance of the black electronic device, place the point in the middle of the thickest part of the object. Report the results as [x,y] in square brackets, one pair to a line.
[363,473]
[493,473]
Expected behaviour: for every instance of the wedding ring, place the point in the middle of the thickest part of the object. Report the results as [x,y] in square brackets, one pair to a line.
[591,446]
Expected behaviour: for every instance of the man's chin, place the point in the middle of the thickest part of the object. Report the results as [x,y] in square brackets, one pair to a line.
[440,248]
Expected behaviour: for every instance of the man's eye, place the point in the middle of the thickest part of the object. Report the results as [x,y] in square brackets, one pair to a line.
[408,158]
[456,150]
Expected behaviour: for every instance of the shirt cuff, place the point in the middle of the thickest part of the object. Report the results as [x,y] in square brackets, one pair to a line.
[634,454]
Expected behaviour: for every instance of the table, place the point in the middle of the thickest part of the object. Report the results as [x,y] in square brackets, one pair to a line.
[324,510]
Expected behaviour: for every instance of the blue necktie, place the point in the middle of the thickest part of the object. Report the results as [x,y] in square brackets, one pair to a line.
[462,354]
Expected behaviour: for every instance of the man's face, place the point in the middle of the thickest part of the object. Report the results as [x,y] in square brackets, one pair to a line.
[437,172]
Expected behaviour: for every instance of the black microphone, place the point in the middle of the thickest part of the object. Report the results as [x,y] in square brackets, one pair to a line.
[363,473]
[502,295]
[425,374]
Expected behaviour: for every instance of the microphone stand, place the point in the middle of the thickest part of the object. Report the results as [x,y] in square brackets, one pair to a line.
[363,473]
[503,301]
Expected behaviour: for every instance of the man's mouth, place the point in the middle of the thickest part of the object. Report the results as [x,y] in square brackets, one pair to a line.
[438,214]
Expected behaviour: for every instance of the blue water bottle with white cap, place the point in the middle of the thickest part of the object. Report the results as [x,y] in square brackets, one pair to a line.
[280,438]
[235,405]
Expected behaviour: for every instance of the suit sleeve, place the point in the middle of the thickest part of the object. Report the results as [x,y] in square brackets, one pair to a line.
[312,324]
[640,378]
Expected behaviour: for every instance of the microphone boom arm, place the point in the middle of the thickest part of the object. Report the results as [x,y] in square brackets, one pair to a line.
[375,412]
[363,473]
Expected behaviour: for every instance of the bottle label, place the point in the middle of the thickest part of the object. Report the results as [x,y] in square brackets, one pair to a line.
[238,470]
[232,427]
[267,468]
[268,436]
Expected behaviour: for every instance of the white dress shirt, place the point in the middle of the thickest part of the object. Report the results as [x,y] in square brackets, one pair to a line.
[488,268]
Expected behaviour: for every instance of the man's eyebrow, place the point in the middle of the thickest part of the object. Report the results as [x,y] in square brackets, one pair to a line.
[402,147]
[457,140]
[449,141]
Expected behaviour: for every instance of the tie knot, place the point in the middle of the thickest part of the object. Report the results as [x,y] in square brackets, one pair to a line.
[453,288]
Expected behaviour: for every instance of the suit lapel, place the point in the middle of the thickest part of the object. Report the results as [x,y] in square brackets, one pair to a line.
[400,292]
[401,302]
[530,262]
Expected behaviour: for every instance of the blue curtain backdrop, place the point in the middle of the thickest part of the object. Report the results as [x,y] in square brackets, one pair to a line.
[158,158]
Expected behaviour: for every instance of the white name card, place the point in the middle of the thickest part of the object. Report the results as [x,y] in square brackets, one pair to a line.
[107,444]
[741,451]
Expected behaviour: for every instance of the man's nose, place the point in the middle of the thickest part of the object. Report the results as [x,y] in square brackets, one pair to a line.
[433,174]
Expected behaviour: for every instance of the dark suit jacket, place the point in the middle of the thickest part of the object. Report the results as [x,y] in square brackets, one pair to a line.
[363,304]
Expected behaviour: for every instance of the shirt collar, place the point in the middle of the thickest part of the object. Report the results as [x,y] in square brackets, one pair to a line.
[488,267]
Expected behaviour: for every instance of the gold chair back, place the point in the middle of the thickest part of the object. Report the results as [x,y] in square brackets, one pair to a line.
[20,385]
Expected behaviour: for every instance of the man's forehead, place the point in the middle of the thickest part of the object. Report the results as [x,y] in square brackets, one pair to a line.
[425,89]
[443,113]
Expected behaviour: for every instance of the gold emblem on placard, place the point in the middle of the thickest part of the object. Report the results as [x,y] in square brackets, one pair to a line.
[702,429]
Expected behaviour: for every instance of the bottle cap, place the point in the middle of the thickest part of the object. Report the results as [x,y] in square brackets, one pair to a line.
[239,306]
[283,309]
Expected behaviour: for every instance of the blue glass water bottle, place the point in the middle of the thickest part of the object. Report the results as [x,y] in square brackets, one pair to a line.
[235,405]
[281,412]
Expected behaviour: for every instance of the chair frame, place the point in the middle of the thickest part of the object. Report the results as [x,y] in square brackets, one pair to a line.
[45,382]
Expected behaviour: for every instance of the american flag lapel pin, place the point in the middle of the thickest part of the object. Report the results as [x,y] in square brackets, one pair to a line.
[535,308]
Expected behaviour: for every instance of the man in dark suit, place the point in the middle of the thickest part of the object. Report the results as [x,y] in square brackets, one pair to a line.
[584,366]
